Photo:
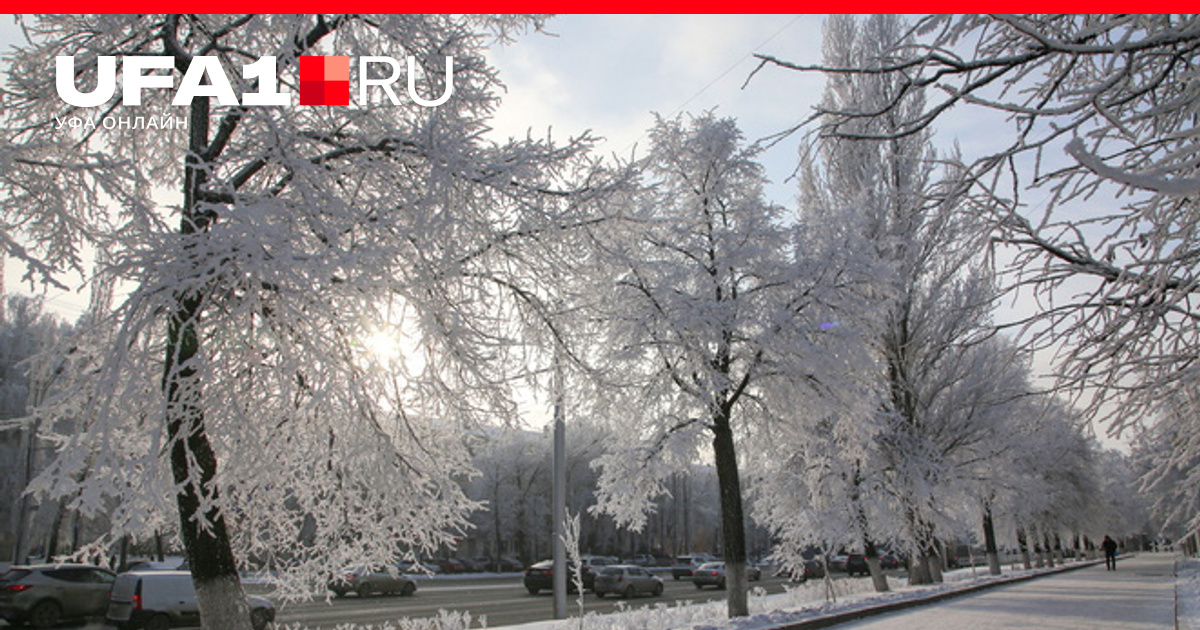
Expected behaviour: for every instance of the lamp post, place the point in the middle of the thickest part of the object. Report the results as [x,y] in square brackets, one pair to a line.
[559,498]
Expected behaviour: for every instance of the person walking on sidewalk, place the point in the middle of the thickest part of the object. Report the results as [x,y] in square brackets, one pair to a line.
[1110,553]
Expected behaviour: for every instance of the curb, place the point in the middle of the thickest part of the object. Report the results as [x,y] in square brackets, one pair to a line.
[879,609]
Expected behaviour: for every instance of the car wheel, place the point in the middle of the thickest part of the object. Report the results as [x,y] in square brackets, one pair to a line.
[409,589]
[629,592]
[365,590]
[699,586]
[45,614]
[258,619]
[532,590]
[721,584]
[159,622]
[599,595]
[658,589]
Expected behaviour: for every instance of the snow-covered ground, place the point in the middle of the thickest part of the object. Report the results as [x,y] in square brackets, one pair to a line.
[1187,593]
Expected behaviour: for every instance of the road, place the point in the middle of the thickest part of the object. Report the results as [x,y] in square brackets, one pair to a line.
[503,600]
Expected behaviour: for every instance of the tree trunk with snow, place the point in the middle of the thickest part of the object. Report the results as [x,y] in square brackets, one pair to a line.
[202,524]
[989,541]
[1023,545]
[878,578]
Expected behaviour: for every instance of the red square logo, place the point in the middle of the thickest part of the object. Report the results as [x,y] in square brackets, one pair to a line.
[324,80]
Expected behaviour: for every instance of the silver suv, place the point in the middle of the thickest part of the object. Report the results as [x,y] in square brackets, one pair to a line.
[44,594]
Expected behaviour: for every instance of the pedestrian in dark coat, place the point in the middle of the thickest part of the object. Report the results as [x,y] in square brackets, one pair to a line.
[1110,553]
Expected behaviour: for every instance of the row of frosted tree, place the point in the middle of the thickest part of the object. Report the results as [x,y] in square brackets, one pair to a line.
[839,362]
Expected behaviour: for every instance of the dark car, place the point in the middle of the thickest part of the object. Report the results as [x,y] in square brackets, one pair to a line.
[451,565]
[627,581]
[42,595]
[685,565]
[889,561]
[856,564]
[540,577]
[811,570]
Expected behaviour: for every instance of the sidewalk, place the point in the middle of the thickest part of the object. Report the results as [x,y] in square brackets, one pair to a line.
[1139,595]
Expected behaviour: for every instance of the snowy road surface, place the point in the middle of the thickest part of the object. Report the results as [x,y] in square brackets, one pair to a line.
[1139,595]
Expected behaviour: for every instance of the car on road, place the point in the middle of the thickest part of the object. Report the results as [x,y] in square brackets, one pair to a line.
[540,577]
[42,595]
[158,600]
[685,565]
[626,580]
[713,574]
[365,582]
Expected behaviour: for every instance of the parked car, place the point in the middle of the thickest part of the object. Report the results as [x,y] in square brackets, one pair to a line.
[856,564]
[158,600]
[366,582]
[41,595]
[811,569]
[540,577]
[507,565]
[685,565]
[889,561]
[626,580]
[422,566]
[486,563]
[170,564]
[451,565]
[713,574]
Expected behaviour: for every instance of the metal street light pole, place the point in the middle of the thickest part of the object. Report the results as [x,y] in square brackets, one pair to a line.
[559,499]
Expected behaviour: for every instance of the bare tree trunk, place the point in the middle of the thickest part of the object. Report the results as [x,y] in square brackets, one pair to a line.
[878,579]
[732,516]
[989,541]
[1023,544]
[55,526]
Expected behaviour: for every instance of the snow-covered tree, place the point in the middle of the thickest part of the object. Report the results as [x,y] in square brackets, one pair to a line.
[1101,110]
[1167,458]
[932,293]
[317,293]
[711,305]
[30,347]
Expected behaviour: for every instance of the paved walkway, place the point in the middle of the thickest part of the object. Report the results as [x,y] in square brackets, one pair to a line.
[1139,595]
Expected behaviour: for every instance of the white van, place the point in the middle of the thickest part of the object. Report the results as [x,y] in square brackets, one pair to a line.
[157,600]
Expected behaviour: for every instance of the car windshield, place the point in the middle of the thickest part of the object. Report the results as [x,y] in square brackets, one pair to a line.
[712,566]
